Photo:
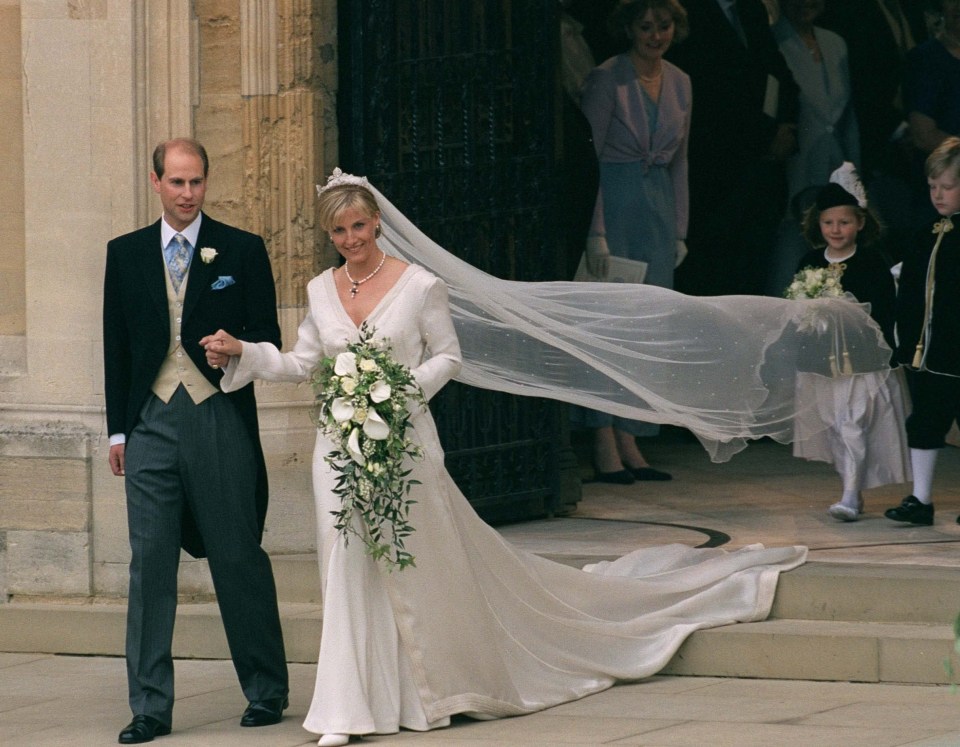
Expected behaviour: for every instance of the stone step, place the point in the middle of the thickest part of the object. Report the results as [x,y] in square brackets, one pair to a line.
[98,630]
[777,649]
[869,593]
[829,622]
[814,591]
[838,651]
[297,578]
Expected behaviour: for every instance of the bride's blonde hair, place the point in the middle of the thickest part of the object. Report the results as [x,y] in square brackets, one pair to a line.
[333,201]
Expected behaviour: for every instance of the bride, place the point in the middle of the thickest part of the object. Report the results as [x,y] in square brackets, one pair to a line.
[477,626]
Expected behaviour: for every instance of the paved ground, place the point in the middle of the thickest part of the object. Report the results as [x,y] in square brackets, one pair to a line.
[763,495]
[76,702]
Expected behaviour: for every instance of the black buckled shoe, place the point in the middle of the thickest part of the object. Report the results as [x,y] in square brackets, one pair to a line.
[912,511]
[264,712]
[142,729]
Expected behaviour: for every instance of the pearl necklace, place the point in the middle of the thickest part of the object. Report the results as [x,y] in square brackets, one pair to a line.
[357,283]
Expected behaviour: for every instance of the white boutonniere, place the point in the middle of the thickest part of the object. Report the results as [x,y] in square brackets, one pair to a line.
[208,254]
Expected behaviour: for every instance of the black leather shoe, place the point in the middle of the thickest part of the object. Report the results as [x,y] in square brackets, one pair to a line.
[620,477]
[142,729]
[649,473]
[912,511]
[264,712]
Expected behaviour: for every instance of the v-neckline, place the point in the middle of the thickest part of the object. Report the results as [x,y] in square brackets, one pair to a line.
[332,290]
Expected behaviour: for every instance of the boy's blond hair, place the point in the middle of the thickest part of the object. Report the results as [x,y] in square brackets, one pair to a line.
[945,157]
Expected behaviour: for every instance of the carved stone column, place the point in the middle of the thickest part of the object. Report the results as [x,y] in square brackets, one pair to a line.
[279,124]
[166,75]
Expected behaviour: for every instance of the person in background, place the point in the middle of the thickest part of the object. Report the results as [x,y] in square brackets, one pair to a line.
[827,132]
[930,290]
[578,176]
[879,34]
[190,455]
[742,132]
[638,106]
[932,97]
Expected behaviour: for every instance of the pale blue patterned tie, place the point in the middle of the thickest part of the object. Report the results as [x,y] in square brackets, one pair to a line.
[179,261]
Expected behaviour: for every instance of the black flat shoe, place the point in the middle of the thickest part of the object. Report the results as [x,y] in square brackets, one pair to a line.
[911,511]
[264,712]
[142,729]
[620,477]
[649,473]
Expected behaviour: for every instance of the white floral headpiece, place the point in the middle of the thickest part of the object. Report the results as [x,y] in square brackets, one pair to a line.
[847,177]
[338,179]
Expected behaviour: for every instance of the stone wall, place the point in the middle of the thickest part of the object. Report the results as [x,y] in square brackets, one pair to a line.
[12,296]
[87,88]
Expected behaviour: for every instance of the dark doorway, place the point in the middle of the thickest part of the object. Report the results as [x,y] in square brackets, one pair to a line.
[450,109]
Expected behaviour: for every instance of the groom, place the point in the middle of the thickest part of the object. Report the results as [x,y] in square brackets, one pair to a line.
[190,454]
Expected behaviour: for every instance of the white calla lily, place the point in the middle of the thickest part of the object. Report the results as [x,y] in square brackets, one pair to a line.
[345,364]
[353,447]
[375,427]
[380,391]
[342,409]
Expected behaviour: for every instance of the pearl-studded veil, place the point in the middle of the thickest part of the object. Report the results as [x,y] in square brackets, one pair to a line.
[724,367]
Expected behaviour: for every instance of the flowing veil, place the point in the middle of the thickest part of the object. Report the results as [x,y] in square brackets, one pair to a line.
[723,367]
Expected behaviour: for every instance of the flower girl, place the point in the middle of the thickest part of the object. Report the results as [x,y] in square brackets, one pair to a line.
[866,440]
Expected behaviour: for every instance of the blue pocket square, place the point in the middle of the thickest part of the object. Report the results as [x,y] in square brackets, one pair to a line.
[224,281]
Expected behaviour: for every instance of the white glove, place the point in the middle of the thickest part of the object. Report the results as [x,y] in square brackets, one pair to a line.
[598,257]
[681,251]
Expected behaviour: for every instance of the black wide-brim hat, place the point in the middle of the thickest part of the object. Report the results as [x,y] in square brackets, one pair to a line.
[833,195]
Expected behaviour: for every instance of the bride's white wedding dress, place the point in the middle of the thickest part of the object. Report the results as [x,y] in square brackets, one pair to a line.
[478,626]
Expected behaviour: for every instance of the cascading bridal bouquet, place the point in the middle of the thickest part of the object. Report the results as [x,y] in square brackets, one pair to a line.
[362,403]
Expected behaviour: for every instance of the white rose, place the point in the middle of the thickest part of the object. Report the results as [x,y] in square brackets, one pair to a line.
[348,383]
[208,254]
[368,365]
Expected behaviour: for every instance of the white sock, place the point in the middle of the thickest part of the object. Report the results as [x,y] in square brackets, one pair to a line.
[851,499]
[924,462]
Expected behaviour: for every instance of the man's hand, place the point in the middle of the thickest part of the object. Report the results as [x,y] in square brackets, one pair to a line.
[219,347]
[117,464]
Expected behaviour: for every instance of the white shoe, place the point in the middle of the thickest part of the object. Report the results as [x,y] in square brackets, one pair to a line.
[841,512]
[333,740]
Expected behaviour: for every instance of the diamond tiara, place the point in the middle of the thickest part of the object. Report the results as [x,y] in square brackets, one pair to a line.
[338,179]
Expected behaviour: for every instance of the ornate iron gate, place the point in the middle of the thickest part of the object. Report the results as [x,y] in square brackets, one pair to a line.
[450,108]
